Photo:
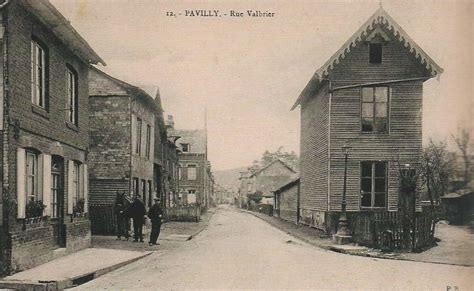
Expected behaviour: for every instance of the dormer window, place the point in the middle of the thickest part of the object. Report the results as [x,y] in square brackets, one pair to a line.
[375,53]
[185,147]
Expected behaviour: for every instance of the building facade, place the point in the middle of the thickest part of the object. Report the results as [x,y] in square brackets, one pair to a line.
[265,180]
[287,201]
[195,176]
[369,95]
[44,127]
[122,140]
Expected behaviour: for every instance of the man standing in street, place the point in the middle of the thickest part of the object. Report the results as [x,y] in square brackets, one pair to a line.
[156,215]
[137,212]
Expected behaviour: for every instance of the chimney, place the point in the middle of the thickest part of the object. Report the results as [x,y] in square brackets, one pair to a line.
[170,122]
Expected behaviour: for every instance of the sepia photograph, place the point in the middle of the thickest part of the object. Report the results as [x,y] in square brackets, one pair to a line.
[236,145]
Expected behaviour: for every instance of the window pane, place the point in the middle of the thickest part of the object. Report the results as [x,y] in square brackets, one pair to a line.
[379,200]
[367,94]
[381,94]
[366,169]
[366,185]
[381,124]
[380,168]
[381,109]
[365,200]
[380,185]
[375,53]
[367,124]
[367,109]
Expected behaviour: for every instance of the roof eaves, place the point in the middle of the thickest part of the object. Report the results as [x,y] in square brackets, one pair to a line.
[63,29]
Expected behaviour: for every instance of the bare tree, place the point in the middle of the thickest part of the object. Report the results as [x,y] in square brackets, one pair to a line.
[462,140]
[436,172]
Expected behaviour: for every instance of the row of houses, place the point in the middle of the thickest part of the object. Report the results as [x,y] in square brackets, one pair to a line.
[368,98]
[73,137]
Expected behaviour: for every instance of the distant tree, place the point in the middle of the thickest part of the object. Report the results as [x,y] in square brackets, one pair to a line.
[436,170]
[462,140]
[289,158]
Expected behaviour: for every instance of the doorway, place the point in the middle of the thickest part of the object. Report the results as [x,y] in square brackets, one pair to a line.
[57,200]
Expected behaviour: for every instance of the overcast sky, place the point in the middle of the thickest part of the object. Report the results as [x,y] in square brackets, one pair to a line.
[248,72]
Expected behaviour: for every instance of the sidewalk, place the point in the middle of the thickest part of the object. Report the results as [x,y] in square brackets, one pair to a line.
[171,232]
[71,270]
[455,247]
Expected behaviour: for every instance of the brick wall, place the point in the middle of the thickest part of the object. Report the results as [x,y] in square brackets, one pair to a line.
[45,130]
[199,184]
[110,137]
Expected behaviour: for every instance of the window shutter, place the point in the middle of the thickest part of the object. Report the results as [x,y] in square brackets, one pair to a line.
[70,174]
[20,182]
[152,143]
[47,184]
[134,134]
[85,187]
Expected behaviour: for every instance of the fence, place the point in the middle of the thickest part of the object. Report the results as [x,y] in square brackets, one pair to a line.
[377,229]
[183,213]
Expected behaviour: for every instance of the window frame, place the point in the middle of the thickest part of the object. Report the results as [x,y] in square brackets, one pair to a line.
[380,44]
[373,179]
[77,186]
[148,141]
[374,106]
[39,85]
[187,147]
[72,95]
[191,166]
[138,140]
[35,176]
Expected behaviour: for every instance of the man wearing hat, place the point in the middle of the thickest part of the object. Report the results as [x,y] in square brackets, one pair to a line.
[155,213]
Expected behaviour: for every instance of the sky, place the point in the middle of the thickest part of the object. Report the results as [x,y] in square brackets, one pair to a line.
[247,72]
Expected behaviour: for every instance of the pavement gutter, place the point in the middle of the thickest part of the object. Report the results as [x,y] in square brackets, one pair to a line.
[359,253]
[68,282]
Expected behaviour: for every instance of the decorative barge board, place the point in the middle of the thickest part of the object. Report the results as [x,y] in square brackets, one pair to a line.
[368,94]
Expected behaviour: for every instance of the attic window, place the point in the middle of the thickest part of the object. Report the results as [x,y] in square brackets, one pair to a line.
[375,53]
[185,147]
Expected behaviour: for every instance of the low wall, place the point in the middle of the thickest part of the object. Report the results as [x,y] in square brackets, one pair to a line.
[183,213]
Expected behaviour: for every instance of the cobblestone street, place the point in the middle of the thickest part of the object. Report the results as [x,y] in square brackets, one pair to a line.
[238,250]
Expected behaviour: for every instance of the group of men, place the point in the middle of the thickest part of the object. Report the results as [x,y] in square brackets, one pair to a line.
[137,212]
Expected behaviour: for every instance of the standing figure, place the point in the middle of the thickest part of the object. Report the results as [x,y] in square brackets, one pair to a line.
[156,215]
[121,217]
[137,212]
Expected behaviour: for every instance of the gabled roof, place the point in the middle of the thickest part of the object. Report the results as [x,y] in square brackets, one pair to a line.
[131,89]
[287,185]
[62,28]
[269,164]
[379,17]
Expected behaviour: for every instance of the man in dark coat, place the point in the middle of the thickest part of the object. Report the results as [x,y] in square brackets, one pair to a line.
[137,212]
[121,217]
[156,215]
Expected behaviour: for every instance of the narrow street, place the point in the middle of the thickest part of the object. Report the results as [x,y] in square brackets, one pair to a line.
[239,251]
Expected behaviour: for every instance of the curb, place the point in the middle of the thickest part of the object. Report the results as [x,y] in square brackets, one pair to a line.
[353,253]
[204,227]
[66,283]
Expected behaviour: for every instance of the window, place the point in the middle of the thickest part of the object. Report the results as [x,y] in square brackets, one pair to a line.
[148,141]
[72,96]
[375,53]
[55,188]
[373,188]
[143,193]
[180,174]
[374,109]
[192,172]
[38,74]
[138,146]
[185,147]
[135,186]
[32,177]
[150,194]
[77,194]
